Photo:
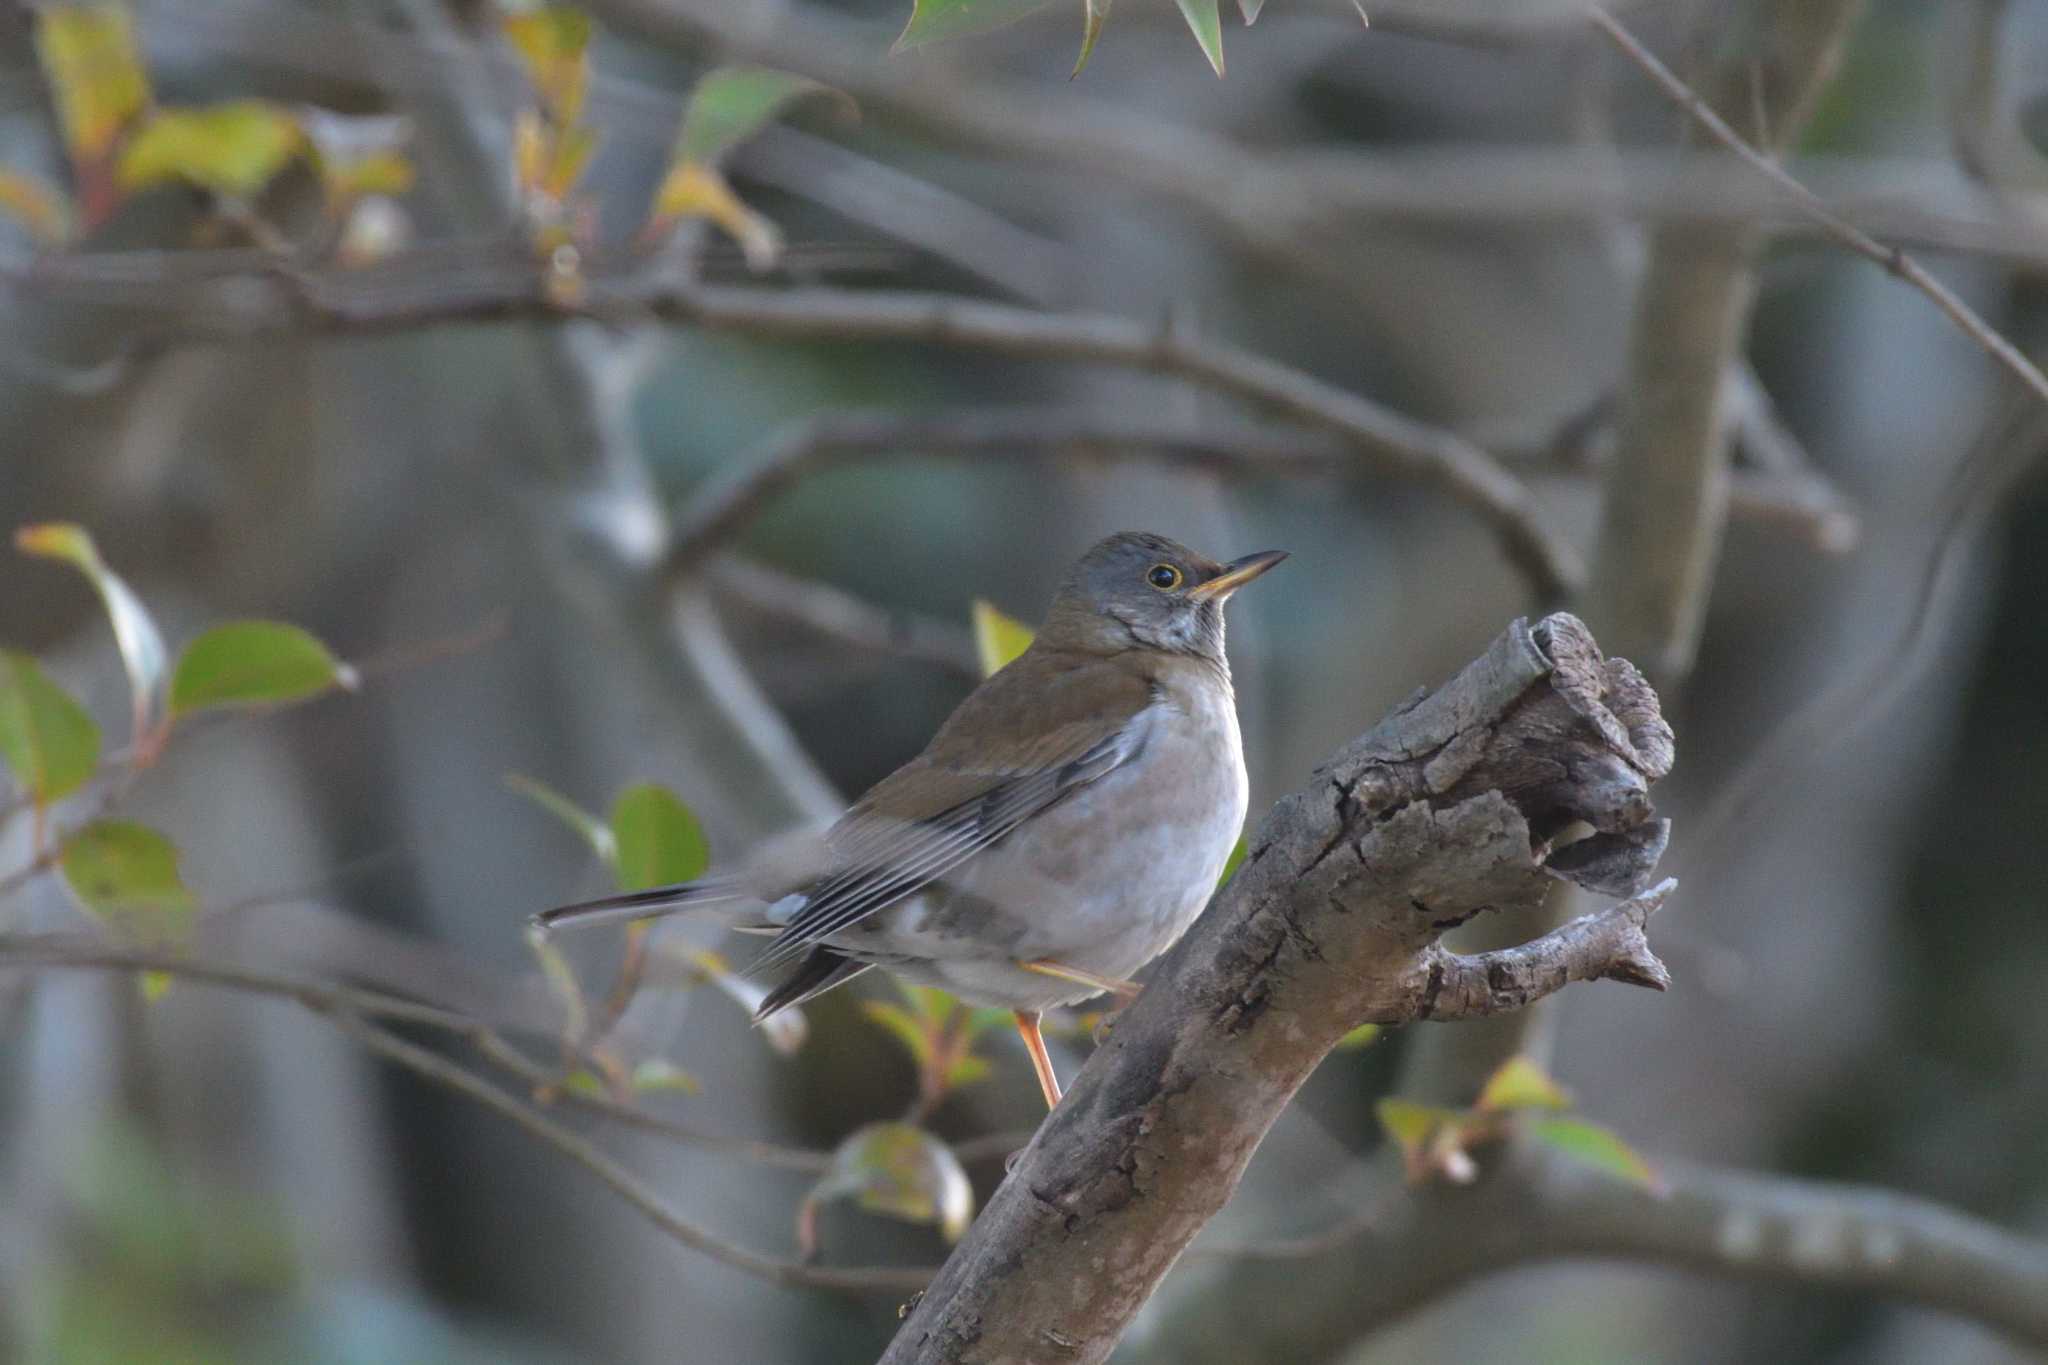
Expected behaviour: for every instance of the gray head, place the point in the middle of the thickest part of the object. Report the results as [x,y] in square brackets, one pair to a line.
[1136,590]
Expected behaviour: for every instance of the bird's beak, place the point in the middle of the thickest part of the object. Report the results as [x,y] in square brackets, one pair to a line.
[1235,575]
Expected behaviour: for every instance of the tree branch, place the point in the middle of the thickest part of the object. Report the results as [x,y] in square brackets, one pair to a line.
[840,615]
[1834,225]
[1403,1246]
[1443,810]
[433,1067]
[275,297]
[1660,525]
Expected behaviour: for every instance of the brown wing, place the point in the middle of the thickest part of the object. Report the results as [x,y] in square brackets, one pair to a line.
[1026,739]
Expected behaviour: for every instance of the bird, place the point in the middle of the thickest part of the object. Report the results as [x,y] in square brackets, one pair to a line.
[1063,828]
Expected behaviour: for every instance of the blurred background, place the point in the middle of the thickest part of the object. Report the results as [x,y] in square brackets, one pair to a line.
[379,416]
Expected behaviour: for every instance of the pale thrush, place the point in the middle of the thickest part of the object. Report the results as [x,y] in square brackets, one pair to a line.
[1063,828]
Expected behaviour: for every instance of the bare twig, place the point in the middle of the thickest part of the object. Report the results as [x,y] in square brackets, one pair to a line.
[2009,448]
[433,1067]
[723,509]
[1838,228]
[71,952]
[843,616]
[299,300]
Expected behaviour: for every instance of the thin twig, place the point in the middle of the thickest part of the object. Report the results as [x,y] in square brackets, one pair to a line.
[1892,258]
[834,612]
[431,1066]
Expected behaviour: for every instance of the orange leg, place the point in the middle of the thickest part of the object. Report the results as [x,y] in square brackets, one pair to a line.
[1034,1043]
[1124,991]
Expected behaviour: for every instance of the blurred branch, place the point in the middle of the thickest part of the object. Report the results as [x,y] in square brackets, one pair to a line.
[1775,484]
[834,612]
[2007,452]
[1667,492]
[1839,229]
[357,302]
[1404,1246]
[1334,918]
[431,1066]
[352,1008]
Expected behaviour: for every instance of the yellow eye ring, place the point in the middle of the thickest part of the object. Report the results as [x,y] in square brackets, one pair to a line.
[1163,577]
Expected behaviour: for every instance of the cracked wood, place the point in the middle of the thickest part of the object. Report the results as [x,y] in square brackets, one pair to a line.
[1448,808]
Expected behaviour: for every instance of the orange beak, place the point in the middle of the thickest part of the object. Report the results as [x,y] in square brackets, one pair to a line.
[1235,575]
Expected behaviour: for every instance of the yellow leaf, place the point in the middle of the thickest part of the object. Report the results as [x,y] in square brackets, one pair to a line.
[1408,1123]
[553,42]
[1364,1036]
[88,53]
[135,631]
[233,149]
[1521,1084]
[36,206]
[997,638]
[693,190]
[573,148]
[529,150]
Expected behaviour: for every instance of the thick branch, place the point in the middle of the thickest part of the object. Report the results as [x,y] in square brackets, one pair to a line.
[1605,945]
[1443,810]
[1404,1247]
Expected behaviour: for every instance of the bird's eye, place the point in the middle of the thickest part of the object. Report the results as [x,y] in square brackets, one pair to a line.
[1163,577]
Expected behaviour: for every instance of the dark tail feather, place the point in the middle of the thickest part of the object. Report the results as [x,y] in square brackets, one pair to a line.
[820,971]
[661,900]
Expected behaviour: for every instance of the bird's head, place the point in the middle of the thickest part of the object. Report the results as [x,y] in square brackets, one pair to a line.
[1145,591]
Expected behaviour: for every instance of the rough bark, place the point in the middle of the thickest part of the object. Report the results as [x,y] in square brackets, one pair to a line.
[1444,810]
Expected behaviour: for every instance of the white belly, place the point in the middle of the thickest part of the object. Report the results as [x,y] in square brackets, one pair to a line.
[1104,882]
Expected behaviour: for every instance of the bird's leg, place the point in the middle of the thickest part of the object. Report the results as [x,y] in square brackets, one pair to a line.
[1034,1043]
[1124,991]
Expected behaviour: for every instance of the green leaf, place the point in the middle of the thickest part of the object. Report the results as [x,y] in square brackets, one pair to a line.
[932,21]
[659,841]
[1364,1036]
[903,1172]
[1250,10]
[657,1073]
[1233,862]
[88,53]
[1596,1147]
[908,1029]
[935,1005]
[233,149]
[592,830]
[1207,26]
[981,1020]
[732,103]
[135,634]
[967,1070]
[48,740]
[126,876]
[1410,1124]
[249,663]
[1093,14]
[1521,1084]
[997,638]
